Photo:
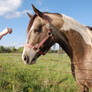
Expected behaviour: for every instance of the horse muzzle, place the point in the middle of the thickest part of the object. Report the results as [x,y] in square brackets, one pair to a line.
[29,56]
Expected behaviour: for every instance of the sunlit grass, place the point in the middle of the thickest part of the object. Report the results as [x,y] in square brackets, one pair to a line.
[51,73]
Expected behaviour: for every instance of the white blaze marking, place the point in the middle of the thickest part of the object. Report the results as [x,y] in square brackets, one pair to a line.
[70,23]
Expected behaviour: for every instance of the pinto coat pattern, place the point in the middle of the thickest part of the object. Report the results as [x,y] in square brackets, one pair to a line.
[73,37]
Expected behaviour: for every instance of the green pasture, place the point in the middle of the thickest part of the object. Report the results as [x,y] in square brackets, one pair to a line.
[51,73]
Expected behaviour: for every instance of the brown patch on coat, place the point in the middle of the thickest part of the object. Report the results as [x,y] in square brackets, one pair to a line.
[82,58]
[77,43]
[57,20]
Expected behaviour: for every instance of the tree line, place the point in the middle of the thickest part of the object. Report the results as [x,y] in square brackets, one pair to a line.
[20,50]
[10,49]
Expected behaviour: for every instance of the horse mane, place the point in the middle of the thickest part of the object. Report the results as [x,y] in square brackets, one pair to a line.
[89,27]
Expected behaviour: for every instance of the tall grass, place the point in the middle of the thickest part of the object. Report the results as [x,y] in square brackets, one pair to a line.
[51,73]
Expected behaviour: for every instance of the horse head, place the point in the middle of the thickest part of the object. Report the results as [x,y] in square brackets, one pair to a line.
[45,29]
[39,37]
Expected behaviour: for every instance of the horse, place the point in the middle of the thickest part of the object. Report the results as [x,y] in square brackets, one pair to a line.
[45,29]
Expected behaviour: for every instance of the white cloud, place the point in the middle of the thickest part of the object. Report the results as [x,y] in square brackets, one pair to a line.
[15,14]
[7,6]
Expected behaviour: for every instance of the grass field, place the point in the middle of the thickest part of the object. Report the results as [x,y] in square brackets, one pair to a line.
[51,73]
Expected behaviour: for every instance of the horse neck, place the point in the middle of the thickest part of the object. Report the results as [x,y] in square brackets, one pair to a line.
[57,23]
[74,38]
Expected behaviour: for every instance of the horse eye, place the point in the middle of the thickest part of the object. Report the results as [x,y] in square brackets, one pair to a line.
[39,29]
[35,30]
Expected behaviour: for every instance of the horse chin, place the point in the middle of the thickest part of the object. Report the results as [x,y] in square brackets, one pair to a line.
[30,62]
[33,61]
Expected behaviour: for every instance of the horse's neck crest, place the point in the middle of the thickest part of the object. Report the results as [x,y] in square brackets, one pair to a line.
[70,23]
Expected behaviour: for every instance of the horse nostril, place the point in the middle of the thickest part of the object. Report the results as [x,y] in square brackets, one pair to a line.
[26,58]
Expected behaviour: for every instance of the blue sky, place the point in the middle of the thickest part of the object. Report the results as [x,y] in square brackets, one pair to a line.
[13,14]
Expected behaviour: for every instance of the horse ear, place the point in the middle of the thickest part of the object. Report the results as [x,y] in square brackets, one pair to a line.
[37,12]
[30,16]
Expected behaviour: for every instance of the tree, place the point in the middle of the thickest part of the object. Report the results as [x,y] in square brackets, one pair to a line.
[20,50]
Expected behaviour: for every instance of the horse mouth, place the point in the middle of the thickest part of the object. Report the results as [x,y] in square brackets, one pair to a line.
[33,61]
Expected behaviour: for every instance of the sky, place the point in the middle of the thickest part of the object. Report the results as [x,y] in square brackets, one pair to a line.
[13,14]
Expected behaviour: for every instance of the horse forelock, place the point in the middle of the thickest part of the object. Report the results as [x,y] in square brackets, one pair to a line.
[70,23]
[31,22]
